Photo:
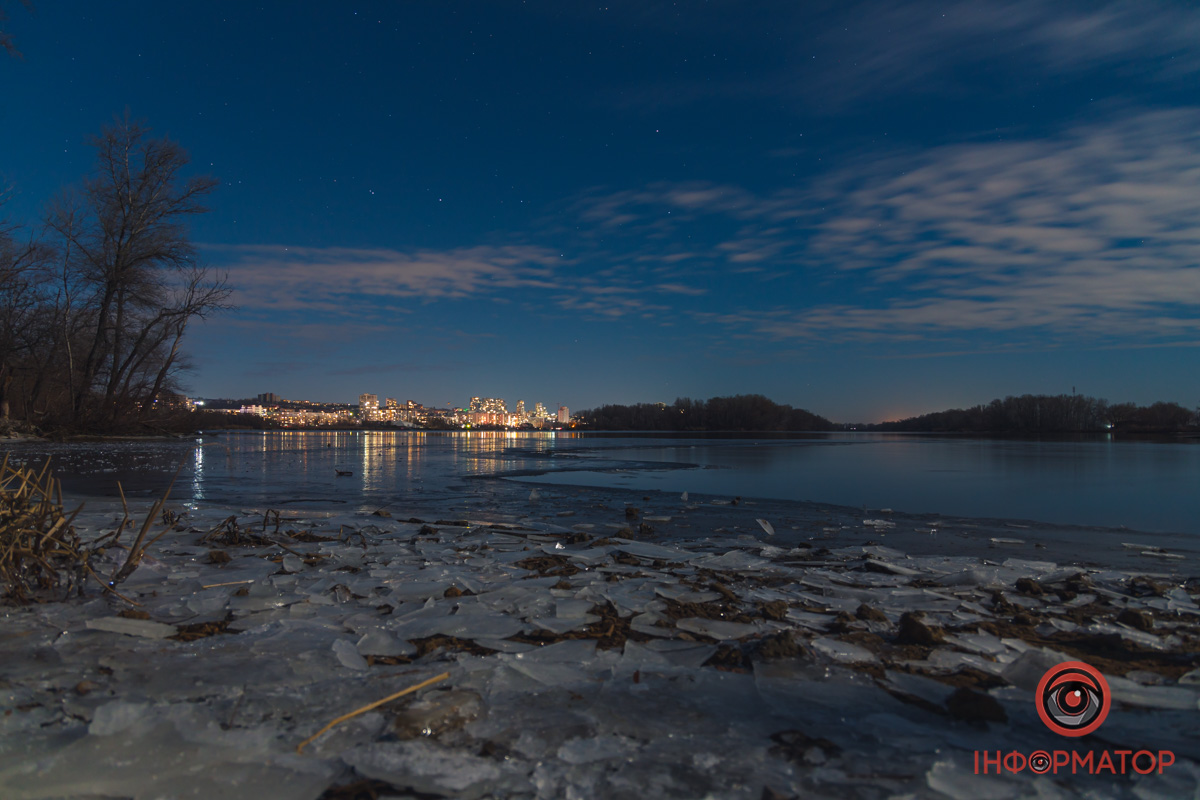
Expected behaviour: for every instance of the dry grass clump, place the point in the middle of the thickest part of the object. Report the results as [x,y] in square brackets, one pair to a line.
[39,551]
[41,556]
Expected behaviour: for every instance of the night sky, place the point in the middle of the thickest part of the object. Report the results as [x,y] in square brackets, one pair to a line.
[867,210]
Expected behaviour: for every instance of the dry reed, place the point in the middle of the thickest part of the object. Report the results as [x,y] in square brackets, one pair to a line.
[41,556]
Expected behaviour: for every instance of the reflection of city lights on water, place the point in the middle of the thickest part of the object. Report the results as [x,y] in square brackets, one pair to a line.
[198,475]
[299,466]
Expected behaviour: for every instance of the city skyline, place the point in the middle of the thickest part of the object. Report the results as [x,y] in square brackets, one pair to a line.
[303,412]
[866,210]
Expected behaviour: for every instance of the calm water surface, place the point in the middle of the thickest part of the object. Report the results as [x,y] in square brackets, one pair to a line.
[1150,486]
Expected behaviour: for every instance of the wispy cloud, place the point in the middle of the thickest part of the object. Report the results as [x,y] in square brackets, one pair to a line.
[927,46]
[360,288]
[853,52]
[337,279]
[1094,232]
[401,367]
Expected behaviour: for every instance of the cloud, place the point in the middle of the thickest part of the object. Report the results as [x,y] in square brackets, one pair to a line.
[832,59]
[400,366]
[923,47]
[1095,231]
[339,280]
[1092,234]
[341,292]
[679,288]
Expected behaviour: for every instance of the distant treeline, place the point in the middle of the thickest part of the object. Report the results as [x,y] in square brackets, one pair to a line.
[1040,413]
[744,412]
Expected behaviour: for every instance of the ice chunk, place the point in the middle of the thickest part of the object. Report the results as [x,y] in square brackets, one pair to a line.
[1027,567]
[207,603]
[952,780]
[1165,697]
[809,619]
[560,625]
[688,655]
[843,651]
[505,646]
[132,627]
[470,626]
[645,623]
[1030,666]
[425,766]
[716,628]
[573,651]
[436,713]
[381,643]
[116,716]
[590,555]
[975,576]
[894,569]
[983,643]
[599,748]
[160,761]
[647,550]
[766,526]
[570,608]
[348,654]
[735,560]
[927,689]
[684,594]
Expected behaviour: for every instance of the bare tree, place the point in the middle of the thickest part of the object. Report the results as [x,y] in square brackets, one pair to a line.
[131,278]
[21,300]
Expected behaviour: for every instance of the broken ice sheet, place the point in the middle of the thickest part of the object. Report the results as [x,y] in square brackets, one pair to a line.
[167,752]
[116,716]
[1165,697]
[678,653]
[719,629]
[132,627]
[737,560]
[568,651]
[956,780]
[572,608]
[559,625]
[381,643]
[597,748]
[845,652]
[425,766]
[647,550]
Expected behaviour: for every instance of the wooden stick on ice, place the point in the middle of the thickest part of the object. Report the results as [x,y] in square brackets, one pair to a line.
[300,747]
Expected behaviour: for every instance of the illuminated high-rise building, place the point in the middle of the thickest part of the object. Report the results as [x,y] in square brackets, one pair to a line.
[539,410]
[521,409]
[490,405]
[564,416]
[368,406]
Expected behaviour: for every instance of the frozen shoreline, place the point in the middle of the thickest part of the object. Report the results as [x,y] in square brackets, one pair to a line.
[697,663]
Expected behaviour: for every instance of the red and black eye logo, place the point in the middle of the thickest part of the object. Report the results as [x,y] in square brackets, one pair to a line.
[1073,698]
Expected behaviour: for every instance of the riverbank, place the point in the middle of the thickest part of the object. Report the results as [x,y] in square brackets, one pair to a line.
[585,659]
